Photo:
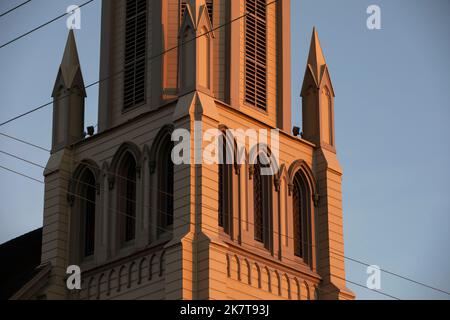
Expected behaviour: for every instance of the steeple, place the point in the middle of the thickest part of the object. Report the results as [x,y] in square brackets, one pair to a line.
[316,59]
[69,74]
[68,99]
[318,98]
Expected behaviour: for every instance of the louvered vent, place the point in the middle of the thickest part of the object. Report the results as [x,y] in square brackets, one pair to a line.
[255,53]
[183,4]
[210,7]
[135,53]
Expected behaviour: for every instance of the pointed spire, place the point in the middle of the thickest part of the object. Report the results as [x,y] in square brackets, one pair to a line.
[316,59]
[187,20]
[69,74]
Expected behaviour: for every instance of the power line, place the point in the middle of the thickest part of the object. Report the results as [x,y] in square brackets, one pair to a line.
[21,174]
[41,26]
[348,258]
[402,277]
[149,59]
[22,159]
[46,104]
[167,229]
[106,78]
[365,287]
[15,8]
[26,113]
[210,208]
[42,106]
[24,142]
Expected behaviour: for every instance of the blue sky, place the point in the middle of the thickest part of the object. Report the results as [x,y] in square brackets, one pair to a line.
[392,113]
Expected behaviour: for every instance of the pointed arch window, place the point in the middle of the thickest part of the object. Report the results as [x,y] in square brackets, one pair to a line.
[301,204]
[225,183]
[127,198]
[88,200]
[165,186]
[262,198]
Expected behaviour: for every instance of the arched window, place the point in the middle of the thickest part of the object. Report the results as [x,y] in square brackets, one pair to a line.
[301,204]
[262,197]
[225,183]
[87,197]
[127,198]
[165,186]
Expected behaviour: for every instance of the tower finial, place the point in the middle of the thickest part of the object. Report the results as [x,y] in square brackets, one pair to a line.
[69,74]
[318,99]
[69,96]
[316,59]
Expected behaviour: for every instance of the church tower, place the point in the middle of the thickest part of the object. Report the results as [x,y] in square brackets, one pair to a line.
[141,225]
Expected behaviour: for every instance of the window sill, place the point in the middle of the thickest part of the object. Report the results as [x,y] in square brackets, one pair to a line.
[263,112]
[133,108]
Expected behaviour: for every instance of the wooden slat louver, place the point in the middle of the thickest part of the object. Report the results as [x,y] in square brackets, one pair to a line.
[255,53]
[135,53]
[210,7]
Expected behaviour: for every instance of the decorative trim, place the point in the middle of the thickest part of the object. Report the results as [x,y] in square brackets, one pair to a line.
[294,284]
[277,184]
[165,131]
[316,200]
[251,171]
[291,188]
[111,182]
[237,169]
[279,177]
[126,147]
[70,199]
[76,176]
[301,165]
[152,166]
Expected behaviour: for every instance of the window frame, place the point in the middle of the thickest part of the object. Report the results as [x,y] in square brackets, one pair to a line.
[127,162]
[253,102]
[265,204]
[225,181]
[133,19]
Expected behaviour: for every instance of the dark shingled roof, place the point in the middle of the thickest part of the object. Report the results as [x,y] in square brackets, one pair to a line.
[19,259]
